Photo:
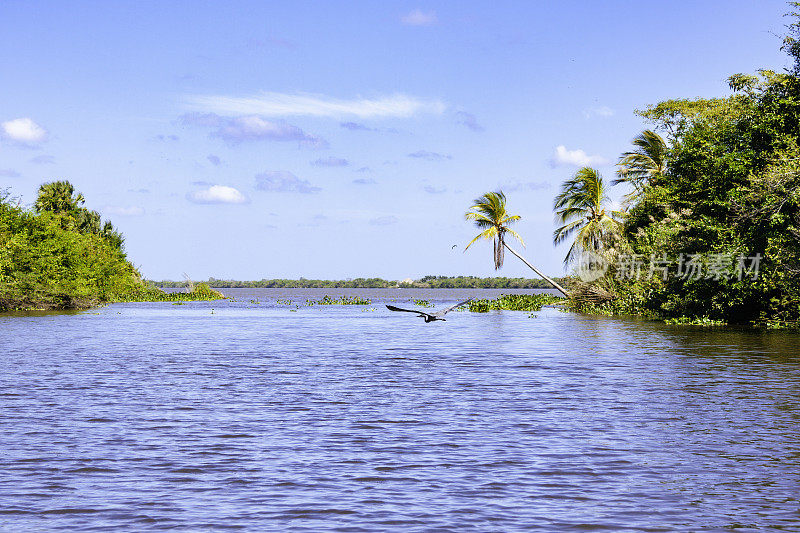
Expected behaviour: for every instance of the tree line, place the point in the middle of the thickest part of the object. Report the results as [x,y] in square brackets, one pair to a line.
[426,282]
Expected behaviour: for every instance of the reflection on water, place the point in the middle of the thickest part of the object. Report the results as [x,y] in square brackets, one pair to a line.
[257,415]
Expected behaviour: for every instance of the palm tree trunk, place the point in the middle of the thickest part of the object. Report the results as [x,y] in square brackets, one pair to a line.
[550,281]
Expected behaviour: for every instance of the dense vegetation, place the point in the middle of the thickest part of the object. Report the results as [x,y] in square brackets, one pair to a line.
[514,302]
[427,282]
[715,206]
[59,255]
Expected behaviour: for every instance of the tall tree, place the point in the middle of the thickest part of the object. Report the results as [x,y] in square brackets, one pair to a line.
[643,166]
[580,208]
[490,215]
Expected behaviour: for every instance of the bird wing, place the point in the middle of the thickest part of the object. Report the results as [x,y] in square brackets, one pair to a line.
[445,311]
[393,308]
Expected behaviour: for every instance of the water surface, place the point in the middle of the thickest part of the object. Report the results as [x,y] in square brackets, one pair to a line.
[264,416]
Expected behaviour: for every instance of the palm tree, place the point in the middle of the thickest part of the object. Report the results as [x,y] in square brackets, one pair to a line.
[580,209]
[643,166]
[490,215]
[58,197]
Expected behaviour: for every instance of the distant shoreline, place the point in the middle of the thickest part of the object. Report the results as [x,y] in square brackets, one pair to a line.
[427,282]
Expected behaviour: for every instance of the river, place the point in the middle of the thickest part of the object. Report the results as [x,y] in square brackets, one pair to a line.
[260,415]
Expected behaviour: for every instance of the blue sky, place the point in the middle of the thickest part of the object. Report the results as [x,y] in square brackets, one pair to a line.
[255,140]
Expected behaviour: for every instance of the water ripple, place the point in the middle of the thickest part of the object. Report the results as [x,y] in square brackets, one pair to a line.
[152,416]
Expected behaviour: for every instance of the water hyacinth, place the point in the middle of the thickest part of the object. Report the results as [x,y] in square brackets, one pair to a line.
[514,302]
[342,300]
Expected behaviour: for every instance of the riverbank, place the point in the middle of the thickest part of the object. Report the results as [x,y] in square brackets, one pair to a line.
[67,302]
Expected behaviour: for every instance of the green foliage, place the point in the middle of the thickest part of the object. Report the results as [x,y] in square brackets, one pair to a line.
[731,187]
[514,302]
[702,321]
[61,200]
[422,303]
[644,166]
[58,256]
[580,210]
[342,300]
[490,216]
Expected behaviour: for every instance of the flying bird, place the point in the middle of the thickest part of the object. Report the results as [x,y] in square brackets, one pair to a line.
[430,317]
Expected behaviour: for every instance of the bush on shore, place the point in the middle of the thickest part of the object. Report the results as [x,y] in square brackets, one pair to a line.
[58,255]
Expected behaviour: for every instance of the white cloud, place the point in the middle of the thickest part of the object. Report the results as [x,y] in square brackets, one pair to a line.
[419,18]
[430,156]
[235,130]
[355,126]
[130,211]
[217,194]
[330,162]
[283,181]
[602,111]
[281,105]
[577,158]
[23,131]
[469,120]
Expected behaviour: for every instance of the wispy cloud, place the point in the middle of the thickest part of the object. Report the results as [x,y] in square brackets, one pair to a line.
[578,158]
[384,220]
[8,173]
[129,211]
[418,17]
[355,126]
[172,138]
[270,104]
[214,160]
[524,186]
[23,132]
[217,194]
[430,156]
[364,181]
[602,112]
[430,189]
[330,162]
[43,160]
[139,191]
[468,120]
[283,181]
[235,130]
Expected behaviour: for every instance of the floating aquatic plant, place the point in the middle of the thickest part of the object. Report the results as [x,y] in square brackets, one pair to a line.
[342,300]
[513,302]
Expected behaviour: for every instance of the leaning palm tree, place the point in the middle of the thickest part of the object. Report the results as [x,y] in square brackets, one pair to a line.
[580,209]
[644,166]
[490,215]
